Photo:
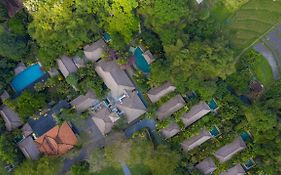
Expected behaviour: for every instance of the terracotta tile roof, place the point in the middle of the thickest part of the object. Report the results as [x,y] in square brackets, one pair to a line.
[57,141]
[66,135]
[51,133]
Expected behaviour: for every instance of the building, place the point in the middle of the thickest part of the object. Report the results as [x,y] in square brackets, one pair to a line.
[114,78]
[66,65]
[20,67]
[11,118]
[4,96]
[46,122]
[196,140]
[104,120]
[148,56]
[79,62]
[26,130]
[170,131]
[236,170]
[95,51]
[41,125]
[207,166]
[84,102]
[29,148]
[132,106]
[57,141]
[155,94]
[170,107]
[228,151]
[196,112]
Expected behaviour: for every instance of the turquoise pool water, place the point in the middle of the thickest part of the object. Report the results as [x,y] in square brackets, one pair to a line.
[106,37]
[27,77]
[140,62]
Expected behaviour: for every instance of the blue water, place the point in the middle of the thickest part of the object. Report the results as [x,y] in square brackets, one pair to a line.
[213,105]
[27,77]
[140,62]
[106,37]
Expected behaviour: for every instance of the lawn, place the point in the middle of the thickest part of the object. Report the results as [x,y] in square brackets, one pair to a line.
[222,9]
[263,70]
[252,21]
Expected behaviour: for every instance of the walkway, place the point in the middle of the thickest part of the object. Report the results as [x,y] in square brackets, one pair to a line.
[144,124]
[270,48]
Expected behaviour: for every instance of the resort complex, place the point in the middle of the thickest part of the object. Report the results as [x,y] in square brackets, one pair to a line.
[140,87]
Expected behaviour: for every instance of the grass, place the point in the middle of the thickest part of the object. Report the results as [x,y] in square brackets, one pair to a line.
[221,9]
[253,20]
[263,70]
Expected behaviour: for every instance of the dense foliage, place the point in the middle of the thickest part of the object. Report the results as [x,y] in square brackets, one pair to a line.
[192,50]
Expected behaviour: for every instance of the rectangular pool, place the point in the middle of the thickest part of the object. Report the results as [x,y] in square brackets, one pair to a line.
[140,61]
[27,78]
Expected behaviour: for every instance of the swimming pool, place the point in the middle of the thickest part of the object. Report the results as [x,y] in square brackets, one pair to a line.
[27,77]
[140,62]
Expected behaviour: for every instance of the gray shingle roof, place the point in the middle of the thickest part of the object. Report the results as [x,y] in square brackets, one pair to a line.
[155,94]
[11,118]
[114,77]
[20,67]
[4,96]
[132,106]
[170,107]
[26,130]
[170,130]
[94,51]
[236,170]
[207,166]
[196,140]
[66,65]
[83,102]
[104,120]
[196,112]
[29,148]
[227,151]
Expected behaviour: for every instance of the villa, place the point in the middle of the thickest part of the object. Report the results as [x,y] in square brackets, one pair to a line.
[228,151]
[84,102]
[11,118]
[104,120]
[155,94]
[170,131]
[66,65]
[57,141]
[236,170]
[196,112]
[29,148]
[207,166]
[132,106]
[196,140]
[114,78]
[170,107]
[95,51]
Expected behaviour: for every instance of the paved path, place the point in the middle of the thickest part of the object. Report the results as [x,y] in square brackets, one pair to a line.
[261,48]
[144,124]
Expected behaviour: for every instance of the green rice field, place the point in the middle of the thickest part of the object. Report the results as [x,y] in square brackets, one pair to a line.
[252,21]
